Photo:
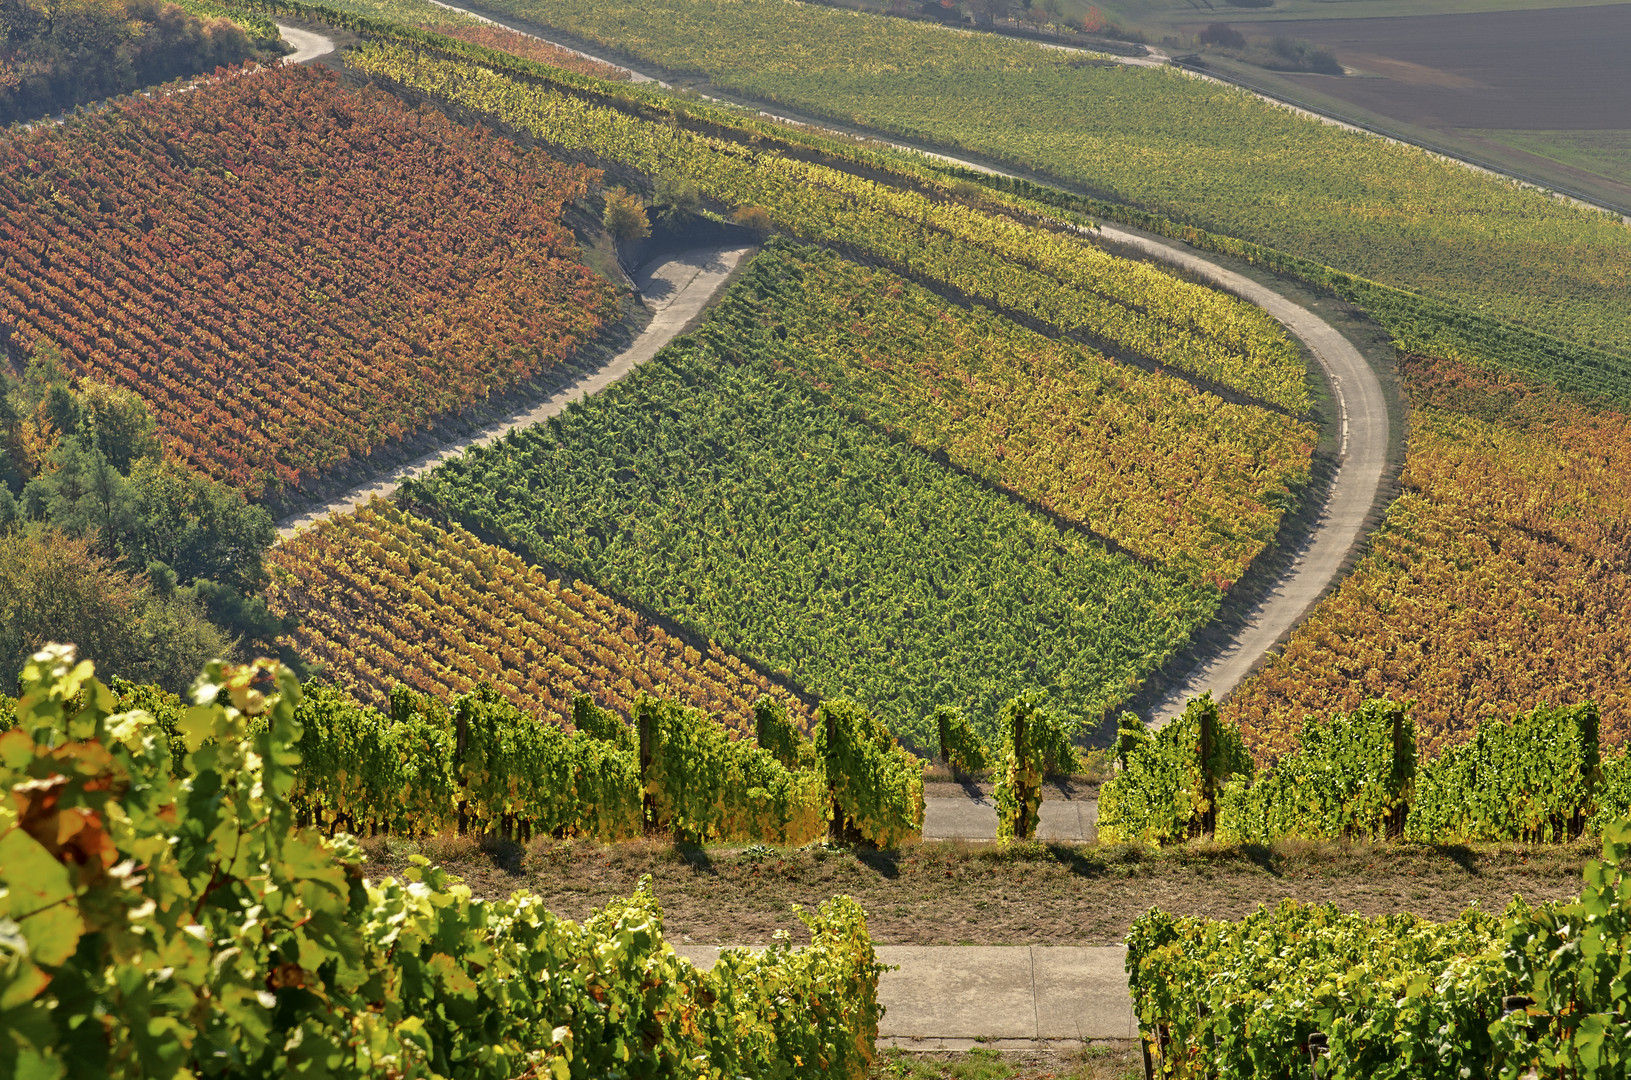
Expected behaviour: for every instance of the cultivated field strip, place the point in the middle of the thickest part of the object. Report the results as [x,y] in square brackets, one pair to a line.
[384,597]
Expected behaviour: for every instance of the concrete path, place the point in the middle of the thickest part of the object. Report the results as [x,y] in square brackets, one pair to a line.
[975,818]
[307,45]
[1003,996]
[677,287]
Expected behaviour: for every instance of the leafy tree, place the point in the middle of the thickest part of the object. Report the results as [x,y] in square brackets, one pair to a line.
[676,198]
[625,218]
[55,586]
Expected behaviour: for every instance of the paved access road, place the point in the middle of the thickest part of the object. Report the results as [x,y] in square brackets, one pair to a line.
[307,45]
[676,287]
[951,997]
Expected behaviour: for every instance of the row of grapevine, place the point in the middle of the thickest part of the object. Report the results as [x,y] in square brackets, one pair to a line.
[737,501]
[1541,778]
[383,596]
[245,947]
[1055,276]
[428,765]
[1536,992]
[1167,473]
[289,273]
[1165,143]
[1169,783]
[1497,583]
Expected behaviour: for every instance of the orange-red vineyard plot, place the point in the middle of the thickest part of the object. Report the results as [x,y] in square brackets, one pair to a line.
[291,273]
[386,597]
[1501,580]
[528,47]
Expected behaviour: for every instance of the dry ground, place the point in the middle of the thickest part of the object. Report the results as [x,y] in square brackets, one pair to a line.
[1558,69]
[955,893]
[1117,1062]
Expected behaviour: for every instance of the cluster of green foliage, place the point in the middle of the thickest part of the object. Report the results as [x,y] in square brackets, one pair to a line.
[1533,779]
[1351,776]
[1170,783]
[1541,778]
[168,921]
[876,786]
[54,56]
[429,765]
[1022,729]
[1395,997]
[735,500]
[152,568]
[961,747]
[777,733]
[706,785]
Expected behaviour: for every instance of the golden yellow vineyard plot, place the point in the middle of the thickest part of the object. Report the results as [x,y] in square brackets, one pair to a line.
[1168,473]
[386,597]
[1500,582]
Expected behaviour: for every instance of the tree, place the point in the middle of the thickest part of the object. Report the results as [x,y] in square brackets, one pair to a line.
[625,218]
[676,198]
[116,422]
[199,528]
[1223,36]
[54,587]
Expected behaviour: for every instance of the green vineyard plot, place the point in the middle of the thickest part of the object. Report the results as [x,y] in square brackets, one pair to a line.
[742,504]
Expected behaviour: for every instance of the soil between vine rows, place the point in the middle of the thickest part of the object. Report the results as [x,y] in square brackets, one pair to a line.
[951,893]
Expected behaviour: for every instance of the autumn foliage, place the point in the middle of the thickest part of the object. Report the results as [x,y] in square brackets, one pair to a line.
[290,273]
[386,597]
[1499,583]
[528,47]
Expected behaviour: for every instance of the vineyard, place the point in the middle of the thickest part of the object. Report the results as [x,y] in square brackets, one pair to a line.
[255,261]
[1159,141]
[1498,582]
[1395,996]
[1543,777]
[246,947]
[740,503]
[385,598]
[1056,278]
[1170,475]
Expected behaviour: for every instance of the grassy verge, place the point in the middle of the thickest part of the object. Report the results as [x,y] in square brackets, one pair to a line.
[1086,1063]
[956,893]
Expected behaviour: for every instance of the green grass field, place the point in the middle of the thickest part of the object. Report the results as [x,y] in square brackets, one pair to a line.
[1606,153]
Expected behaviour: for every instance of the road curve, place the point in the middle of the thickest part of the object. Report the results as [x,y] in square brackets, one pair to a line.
[308,46]
[678,287]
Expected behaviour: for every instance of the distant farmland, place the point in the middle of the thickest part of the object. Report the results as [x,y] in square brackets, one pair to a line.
[1545,76]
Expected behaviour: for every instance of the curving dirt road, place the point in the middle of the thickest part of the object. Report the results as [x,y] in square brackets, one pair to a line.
[676,287]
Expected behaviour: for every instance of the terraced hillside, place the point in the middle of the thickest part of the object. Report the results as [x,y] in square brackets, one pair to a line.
[291,274]
[1189,150]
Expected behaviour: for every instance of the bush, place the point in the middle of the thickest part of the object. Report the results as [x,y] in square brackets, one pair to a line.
[625,217]
[961,747]
[1222,35]
[1022,732]
[756,218]
[706,785]
[1531,779]
[1351,776]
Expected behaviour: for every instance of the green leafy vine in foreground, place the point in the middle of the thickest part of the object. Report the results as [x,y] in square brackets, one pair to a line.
[167,927]
[1397,997]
